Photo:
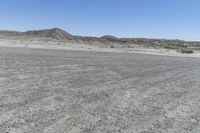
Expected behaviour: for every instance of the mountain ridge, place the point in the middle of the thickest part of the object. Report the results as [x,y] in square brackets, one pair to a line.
[58,34]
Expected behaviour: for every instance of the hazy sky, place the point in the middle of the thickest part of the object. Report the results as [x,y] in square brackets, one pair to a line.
[123,18]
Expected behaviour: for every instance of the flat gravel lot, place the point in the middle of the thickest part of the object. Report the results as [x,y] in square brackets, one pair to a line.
[58,91]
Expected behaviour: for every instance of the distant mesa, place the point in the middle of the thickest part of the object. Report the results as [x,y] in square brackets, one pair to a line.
[109,37]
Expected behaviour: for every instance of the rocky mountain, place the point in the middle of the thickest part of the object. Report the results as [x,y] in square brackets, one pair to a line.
[59,35]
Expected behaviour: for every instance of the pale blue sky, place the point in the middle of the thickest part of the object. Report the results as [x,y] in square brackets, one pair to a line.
[123,18]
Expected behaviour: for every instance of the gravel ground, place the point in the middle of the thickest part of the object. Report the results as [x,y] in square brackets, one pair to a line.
[58,91]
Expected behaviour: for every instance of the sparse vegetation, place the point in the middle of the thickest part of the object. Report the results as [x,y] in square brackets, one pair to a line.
[170,47]
[129,46]
[181,49]
[175,46]
[187,51]
[112,46]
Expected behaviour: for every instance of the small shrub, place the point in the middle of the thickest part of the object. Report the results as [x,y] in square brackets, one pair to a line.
[187,51]
[170,47]
[128,46]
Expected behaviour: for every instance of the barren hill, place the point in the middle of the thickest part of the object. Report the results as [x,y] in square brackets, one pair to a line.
[59,35]
[55,33]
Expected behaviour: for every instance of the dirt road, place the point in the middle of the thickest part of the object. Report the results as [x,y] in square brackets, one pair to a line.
[58,91]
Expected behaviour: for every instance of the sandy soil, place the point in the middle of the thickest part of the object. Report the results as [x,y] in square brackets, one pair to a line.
[83,47]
